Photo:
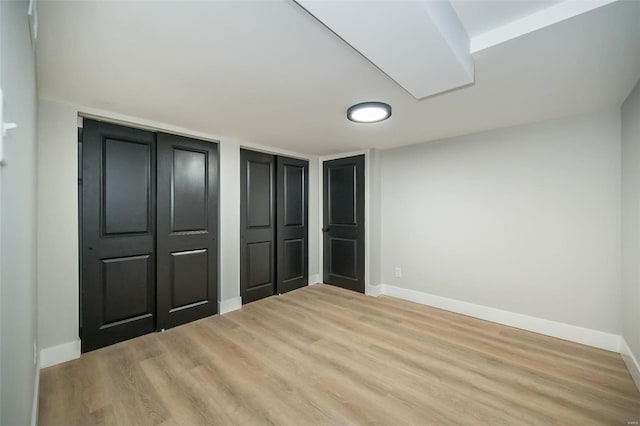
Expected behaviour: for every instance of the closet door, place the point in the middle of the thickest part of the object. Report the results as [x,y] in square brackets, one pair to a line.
[344,223]
[257,225]
[292,231]
[187,232]
[118,224]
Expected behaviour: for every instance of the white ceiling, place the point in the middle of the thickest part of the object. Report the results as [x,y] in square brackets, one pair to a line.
[404,39]
[268,73]
[480,16]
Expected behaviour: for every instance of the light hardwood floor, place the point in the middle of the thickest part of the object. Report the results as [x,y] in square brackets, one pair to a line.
[323,355]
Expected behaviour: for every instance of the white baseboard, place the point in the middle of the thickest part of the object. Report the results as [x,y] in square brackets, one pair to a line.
[631,361]
[59,354]
[315,279]
[229,305]
[572,333]
[36,395]
[373,290]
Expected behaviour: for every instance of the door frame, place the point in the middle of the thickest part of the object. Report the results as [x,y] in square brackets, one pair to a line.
[369,289]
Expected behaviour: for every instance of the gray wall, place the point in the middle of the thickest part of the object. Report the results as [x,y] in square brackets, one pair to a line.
[631,221]
[524,219]
[229,220]
[18,317]
[314,225]
[375,218]
[57,224]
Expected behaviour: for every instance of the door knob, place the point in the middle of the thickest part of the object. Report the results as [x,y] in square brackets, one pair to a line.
[326,229]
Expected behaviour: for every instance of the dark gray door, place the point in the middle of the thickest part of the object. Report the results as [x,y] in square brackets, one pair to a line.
[343,226]
[257,225]
[292,231]
[187,213]
[118,224]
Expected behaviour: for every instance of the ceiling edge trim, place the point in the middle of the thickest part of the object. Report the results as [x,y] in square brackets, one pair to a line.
[536,21]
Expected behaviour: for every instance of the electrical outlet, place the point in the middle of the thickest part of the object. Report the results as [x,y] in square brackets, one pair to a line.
[398,272]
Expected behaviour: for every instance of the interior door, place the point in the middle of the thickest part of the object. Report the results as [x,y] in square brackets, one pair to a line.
[118,225]
[292,232]
[187,214]
[343,225]
[257,225]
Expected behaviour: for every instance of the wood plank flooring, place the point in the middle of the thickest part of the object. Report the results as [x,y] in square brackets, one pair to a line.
[323,355]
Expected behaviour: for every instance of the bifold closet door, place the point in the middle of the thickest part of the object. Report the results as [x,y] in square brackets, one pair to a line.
[118,294]
[187,216]
[257,225]
[273,219]
[292,231]
[149,256]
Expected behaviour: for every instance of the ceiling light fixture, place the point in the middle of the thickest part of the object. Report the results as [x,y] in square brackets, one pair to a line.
[369,112]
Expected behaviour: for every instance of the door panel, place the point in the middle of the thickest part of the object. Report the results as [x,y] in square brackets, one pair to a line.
[126,186]
[292,230]
[259,193]
[187,234]
[343,255]
[189,279]
[189,190]
[259,264]
[118,256]
[257,232]
[293,259]
[127,289]
[342,197]
[343,228]
[293,193]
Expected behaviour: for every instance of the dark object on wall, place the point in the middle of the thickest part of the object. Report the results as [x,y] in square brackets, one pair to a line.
[118,246]
[343,226]
[292,232]
[273,224]
[257,225]
[187,230]
[120,295]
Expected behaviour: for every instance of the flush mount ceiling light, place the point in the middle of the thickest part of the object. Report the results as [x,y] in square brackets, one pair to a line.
[369,112]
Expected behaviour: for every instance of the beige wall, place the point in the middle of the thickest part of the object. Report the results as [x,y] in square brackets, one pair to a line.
[524,219]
